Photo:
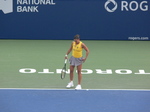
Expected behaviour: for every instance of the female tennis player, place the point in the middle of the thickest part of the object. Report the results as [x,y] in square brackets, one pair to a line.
[76,60]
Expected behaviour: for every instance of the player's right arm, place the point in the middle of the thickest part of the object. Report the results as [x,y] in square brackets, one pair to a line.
[70,49]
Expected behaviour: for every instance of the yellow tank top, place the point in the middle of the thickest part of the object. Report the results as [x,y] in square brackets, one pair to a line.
[77,50]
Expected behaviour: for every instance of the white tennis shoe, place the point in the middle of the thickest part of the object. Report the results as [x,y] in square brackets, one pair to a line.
[70,85]
[78,87]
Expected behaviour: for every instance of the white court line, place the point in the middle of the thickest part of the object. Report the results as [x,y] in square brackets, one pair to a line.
[50,89]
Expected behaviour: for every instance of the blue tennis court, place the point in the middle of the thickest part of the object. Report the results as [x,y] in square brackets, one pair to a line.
[44,100]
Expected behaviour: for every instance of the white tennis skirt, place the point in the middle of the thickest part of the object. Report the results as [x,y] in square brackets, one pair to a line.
[75,61]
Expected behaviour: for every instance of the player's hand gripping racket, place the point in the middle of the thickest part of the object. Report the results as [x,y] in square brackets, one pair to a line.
[63,72]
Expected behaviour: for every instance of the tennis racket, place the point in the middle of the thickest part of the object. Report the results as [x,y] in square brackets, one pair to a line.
[63,71]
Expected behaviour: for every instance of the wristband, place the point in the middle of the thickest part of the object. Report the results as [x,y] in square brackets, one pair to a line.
[66,55]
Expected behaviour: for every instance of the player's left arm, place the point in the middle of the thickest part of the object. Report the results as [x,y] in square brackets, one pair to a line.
[87,51]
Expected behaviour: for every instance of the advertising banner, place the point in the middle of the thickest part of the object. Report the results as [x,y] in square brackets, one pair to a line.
[62,19]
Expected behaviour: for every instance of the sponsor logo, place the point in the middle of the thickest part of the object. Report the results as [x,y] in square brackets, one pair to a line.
[32,5]
[126,5]
[138,38]
[84,71]
[23,5]
[109,2]
[6,6]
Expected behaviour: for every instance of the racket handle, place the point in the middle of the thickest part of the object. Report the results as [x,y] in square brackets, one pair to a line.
[65,60]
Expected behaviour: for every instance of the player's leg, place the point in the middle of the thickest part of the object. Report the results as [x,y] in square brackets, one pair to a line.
[70,84]
[71,72]
[79,77]
[79,74]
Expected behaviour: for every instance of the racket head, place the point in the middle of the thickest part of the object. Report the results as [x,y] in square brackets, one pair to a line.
[63,72]
[63,75]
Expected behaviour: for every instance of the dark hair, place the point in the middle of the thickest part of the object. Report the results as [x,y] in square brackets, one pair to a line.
[77,36]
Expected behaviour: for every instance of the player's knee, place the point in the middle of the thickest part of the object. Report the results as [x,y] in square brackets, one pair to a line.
[71,71]
[79,71]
